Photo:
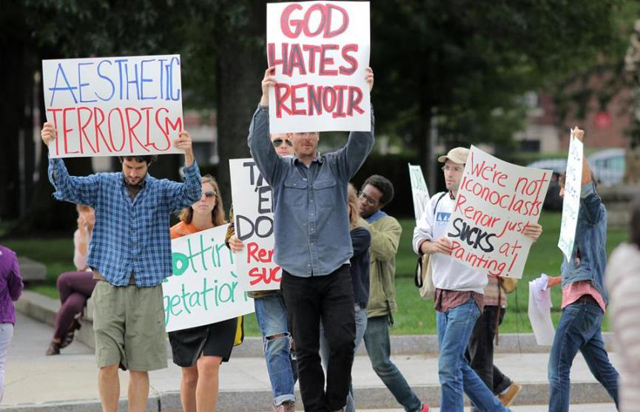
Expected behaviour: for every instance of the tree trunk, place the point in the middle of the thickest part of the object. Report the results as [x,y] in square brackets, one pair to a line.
[241,61]
[12,56]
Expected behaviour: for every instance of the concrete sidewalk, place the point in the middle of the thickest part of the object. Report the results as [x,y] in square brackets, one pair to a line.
[68,382]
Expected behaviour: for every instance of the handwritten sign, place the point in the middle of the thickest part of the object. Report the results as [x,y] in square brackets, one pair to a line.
[418,190]
[204,288]
[496,201]
[571,201]
[253,211]
[114,106]
[320,51]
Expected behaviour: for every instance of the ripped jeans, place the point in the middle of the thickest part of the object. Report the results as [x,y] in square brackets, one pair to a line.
[281,365]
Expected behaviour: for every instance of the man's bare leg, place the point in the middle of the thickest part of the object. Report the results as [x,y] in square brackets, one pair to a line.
[109,388]
[138,391]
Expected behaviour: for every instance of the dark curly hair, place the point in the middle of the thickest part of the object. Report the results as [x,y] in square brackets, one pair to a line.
[140,159]
[383,184]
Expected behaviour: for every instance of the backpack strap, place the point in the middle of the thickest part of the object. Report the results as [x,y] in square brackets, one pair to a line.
[438,202]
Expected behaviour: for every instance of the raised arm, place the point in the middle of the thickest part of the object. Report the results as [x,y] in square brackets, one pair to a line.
[180,195]
[267,161]
[79,190]
[590,201]
[355,152]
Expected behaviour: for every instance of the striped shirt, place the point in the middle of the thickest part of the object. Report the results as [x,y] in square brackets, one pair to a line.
[130,237]
[623,283]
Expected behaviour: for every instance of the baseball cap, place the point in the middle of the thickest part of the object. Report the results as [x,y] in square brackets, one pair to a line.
[456,155]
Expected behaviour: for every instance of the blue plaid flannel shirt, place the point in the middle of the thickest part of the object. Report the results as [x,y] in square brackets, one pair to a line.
[128,236]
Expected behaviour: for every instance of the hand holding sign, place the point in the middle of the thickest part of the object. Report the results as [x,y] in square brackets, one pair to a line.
[268,81]
[369,78]
[236,244]
[185,142]
[48,133]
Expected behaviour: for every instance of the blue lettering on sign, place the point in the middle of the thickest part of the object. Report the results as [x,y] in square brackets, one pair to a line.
[442,217]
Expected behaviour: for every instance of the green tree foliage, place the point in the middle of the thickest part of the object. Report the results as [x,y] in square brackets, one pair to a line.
[472,60]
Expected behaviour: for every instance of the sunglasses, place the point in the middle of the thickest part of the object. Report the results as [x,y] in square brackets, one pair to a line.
[209,194]
[278,142]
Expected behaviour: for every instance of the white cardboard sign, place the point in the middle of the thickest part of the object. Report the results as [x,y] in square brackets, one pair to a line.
[253,218]
[571,201]
[495,202]
[320,51]
[113,106]
[419,191]
[204,288]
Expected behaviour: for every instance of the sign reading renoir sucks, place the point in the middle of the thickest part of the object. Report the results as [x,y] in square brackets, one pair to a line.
[113,106]
[320,51]
[253,215]
[204,288]
[495,203]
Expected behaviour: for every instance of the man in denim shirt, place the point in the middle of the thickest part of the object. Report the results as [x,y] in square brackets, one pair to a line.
[584,299]
[313,247]
[130,254]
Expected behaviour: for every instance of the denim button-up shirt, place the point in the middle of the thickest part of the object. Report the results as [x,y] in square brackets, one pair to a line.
[128,236]
[591,239]
[311,223]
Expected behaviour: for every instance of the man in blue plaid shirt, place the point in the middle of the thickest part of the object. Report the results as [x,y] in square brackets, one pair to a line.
[130,254]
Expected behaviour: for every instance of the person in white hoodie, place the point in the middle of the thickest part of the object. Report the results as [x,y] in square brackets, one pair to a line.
[459,299]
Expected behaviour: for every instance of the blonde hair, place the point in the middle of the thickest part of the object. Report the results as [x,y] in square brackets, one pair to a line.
[217,214]
[353,207]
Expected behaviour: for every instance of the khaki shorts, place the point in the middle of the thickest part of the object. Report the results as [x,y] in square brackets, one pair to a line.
[128,323]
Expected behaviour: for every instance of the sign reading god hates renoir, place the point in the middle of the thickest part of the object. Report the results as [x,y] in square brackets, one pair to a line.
[204,288]
[495,202]
[253,218]
[113,106]
[320,51]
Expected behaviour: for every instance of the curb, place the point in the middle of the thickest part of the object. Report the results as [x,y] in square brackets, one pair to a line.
[374,397]
[43,309]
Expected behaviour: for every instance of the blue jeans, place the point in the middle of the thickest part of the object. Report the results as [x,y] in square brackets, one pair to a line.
[376,340]
[361,325]
[456,376]
[579,330]
[283,371]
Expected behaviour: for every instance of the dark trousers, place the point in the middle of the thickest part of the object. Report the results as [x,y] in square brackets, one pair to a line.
[330,299]
[480,350]
[74,289]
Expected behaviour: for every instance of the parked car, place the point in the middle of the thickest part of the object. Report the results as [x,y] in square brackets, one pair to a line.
[552,201]
[608,166]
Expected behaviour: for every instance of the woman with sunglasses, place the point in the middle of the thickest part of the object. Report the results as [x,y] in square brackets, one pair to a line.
[201,350]
[282,144]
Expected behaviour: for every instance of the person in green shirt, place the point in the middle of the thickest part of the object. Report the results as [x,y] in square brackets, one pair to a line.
[376,193]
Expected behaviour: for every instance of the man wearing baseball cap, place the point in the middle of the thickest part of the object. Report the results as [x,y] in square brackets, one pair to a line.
[459,299]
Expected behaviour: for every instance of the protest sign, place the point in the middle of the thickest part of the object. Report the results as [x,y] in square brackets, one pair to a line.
[494,204]
[253,218]
[419,191]
[540,311]
[204,287]
[113,106]
[571,200]
[320,51]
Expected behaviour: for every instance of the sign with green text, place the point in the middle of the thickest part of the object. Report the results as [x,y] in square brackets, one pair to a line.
[204,288]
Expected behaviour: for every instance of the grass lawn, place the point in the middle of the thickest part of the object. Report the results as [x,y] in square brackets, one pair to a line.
[415,316]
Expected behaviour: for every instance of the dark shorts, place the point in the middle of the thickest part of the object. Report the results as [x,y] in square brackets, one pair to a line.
[215,339]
